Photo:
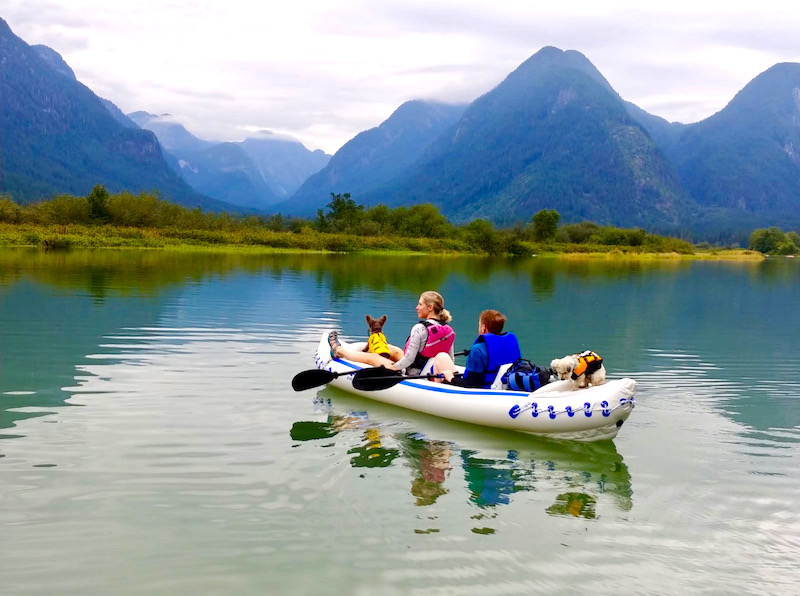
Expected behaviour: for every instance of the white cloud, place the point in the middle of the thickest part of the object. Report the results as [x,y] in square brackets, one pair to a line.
[323,72]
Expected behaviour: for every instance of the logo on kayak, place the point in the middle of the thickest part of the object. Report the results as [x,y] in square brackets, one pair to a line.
[516,410]
[550,411]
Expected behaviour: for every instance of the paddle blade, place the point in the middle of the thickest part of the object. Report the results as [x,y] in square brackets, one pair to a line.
[308,379]
[375,379]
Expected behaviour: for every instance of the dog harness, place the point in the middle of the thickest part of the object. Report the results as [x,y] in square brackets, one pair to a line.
[377,344]
[440,339]
[588,362]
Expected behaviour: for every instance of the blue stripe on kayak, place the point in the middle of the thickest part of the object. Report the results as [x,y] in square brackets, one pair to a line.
[350,364]
[442,388]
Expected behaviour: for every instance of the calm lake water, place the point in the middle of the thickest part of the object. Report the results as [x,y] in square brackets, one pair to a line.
[152,444]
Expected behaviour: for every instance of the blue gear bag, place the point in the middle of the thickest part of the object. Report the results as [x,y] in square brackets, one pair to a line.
[526,376]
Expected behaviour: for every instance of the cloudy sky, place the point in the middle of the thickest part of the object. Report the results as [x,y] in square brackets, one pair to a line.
[323,71]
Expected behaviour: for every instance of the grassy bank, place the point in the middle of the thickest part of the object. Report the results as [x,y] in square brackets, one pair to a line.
[261,240]
[125,220]
[109,236]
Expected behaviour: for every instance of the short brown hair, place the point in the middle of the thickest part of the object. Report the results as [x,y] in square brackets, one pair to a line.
[493,320]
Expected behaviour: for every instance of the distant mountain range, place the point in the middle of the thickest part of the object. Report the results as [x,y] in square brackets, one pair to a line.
[376,155]
[59,137]
[56,136]
[255,173]
[554,134]
[743,163]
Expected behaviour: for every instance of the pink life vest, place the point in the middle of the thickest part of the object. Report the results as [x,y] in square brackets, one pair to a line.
[441,338]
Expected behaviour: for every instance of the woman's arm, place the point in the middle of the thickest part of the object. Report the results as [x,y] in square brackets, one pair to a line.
[416,341]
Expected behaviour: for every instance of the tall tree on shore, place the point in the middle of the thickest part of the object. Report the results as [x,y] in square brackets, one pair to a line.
[545,224]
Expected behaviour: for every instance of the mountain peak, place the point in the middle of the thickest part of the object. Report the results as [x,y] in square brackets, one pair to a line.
[55,60]
[746,158]
[376,155]
[553,58]
[776,90]
[266,135]
[141,115]
[172,135]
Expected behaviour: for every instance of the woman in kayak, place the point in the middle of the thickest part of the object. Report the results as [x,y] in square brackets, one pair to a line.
[431,336]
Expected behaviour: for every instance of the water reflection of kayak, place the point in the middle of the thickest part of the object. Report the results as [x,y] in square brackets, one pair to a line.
[591,414]
[496,464]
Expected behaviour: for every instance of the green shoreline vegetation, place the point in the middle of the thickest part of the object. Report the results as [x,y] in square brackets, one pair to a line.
[126,220]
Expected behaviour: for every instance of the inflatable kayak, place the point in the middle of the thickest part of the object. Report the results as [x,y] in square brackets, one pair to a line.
[555,410]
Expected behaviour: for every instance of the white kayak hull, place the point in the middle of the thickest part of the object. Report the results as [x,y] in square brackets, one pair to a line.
[556,410]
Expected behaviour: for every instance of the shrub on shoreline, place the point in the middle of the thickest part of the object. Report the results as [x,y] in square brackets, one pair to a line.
[125,219]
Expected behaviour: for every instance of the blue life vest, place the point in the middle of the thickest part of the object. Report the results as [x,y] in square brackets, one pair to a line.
[502,349]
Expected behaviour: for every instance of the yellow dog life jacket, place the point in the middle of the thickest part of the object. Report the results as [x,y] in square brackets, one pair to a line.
[588,362]
[377,344]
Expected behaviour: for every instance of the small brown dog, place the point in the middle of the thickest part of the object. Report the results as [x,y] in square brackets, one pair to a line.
[377,343]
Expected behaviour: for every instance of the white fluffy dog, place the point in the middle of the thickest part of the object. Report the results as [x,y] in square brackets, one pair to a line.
[582,369]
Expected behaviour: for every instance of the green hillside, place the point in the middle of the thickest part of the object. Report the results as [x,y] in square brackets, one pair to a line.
[744,162]
[552,135]
[375,156]
[58,137]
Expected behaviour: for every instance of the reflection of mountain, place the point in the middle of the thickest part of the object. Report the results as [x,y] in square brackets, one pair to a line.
[120,272]
[56,308]
[47,331]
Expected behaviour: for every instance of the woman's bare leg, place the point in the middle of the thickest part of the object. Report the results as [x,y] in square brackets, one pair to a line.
[395,353]
[339,351]
[443,364]
[362,357]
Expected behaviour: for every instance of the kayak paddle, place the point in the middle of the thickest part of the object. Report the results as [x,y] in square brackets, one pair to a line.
[308,379]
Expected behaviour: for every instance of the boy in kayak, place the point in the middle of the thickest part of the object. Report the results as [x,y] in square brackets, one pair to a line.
[491,350]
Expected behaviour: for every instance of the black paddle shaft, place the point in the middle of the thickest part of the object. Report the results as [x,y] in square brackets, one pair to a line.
[366,379]
[375,379]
